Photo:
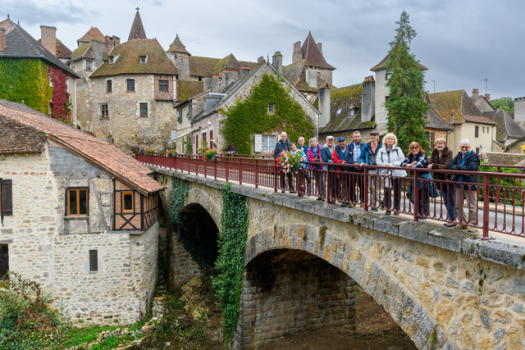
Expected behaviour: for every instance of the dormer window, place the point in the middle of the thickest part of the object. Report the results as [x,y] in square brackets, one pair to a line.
[338,111]
[143,59]
[352,112]
[111,60]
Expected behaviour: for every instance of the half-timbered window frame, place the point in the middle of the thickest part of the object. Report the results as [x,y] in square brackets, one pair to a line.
[132,209]
[77,190]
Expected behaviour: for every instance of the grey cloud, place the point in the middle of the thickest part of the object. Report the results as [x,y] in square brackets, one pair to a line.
[28,12]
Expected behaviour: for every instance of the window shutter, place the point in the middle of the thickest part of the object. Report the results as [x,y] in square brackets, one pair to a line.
[258,143]
[7,197]
[93,260]
[477,131]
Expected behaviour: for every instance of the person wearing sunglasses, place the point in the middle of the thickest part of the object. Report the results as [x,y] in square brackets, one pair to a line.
[466,160]
[418,159]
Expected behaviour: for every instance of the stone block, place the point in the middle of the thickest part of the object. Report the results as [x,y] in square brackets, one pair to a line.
[388,224]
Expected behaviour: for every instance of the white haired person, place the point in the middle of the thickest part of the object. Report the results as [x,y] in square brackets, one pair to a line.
[466,185]
[284,145]
[391,156]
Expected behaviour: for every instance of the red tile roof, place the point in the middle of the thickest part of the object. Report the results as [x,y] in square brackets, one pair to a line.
[95,151]
[93,34]
[479,119]
[137,29]
[313,55]
[18,138]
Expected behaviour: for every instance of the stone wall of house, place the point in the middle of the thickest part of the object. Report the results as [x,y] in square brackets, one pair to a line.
[516,148]
[505,158]
[124,126]
[286,292]
[381,92]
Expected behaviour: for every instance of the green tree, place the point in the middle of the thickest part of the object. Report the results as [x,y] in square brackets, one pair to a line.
[406,106]
[505,103]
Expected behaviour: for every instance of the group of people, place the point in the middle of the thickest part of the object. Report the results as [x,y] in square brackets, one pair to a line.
[348,183]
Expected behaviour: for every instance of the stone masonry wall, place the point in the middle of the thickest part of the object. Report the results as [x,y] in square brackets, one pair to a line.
[425,275]
[290,292]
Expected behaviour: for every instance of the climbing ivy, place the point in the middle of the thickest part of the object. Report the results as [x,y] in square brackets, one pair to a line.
[251,116]
[26,81]
[60,102]
[179,193]
[230,263]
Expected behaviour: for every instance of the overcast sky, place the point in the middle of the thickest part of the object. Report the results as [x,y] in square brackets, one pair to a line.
[461,42]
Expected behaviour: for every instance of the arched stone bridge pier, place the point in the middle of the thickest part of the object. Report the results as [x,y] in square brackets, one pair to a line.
[426,276]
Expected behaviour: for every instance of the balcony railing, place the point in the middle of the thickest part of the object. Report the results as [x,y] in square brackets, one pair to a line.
[163,96]
[495,203]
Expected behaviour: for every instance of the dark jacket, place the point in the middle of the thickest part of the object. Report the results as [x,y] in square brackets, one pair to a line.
[471,164]
[440,163]
[281,146]
[420,159]
[326,156]
[367,152]
[350,155]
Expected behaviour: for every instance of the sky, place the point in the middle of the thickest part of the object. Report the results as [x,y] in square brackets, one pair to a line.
[461,42]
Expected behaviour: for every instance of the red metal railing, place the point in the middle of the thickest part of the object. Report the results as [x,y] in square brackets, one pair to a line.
[494,203]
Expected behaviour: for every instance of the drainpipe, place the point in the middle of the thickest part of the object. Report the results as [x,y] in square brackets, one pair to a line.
[148,301]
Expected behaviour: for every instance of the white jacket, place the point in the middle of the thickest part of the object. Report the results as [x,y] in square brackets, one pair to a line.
[395,159]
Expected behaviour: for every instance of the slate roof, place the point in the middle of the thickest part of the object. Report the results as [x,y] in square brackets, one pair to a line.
[129,60]
[93,34]
[382,65]
[313,55]
[178,47]
[20,44]
[188,89]
[295,73]
[434,121]
[95,151]
[18,138]
[507,128]
[457,103]
[137,31]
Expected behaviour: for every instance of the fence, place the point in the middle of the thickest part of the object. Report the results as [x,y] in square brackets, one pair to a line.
[493,203]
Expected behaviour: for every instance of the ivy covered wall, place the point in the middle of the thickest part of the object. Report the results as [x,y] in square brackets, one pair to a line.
[60,101]
[251,116]
[27,81]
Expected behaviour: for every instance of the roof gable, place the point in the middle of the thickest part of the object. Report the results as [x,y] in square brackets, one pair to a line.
[128,61]
[20,44]
[382,65]
[92,34]
[137,31]
[313,55]
[95,151]
[18,138]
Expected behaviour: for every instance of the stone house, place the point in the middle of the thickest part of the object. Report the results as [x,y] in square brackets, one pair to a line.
[209,110]
[47,83]
[79,217]
[457,109]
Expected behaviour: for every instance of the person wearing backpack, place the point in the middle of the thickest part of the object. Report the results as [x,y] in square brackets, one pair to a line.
[391,156]
[368,157]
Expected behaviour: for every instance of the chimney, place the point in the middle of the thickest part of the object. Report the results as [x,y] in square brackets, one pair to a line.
[475,92]
[244,70]
[214,82]
[297,54]
[277,62]
[487,97]
[320,46]
[2,39]
[368,104]
[324,106]
[312,78]
[261,60]
[207,82]
[98,48]
[49,39]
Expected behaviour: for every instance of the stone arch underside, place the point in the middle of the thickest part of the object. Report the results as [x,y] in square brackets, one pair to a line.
[199,196]
[354,258]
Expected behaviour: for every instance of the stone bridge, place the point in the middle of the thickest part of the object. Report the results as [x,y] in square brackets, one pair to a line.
[304,257]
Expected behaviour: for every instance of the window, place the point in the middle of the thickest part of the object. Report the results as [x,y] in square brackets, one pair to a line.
[268,143]
[130,84]
[352,112]
[386,99]
[104,110]
[200,78]
[211,139]
[164,85]
[6,197]
[143,110]
[451,118]
[93,260]
[196,141]
[179,119]
[4,260]
[476,132]
[143,59]
[111,60]
[88,65]
[109,86]
[271,108]
[387,76]
[128,203]
[77,202]
[338,111]
[483,128]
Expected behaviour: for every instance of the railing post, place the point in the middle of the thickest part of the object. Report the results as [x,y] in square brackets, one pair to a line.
[327,184]
[415,189]
[227,170]
[197,166]
[486,203]
[365,185]
[498,189]
[299,181]
[240,172]
[205,168]
[275,178]
[215,167]
[256,174]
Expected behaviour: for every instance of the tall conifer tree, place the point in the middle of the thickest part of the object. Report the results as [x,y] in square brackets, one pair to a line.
[406,106]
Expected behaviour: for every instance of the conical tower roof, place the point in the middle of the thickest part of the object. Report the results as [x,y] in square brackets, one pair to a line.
[312,54]
[137,29]
[178,47]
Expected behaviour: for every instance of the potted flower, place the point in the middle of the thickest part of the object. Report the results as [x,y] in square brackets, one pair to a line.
[210,154]
[171,153]
[230,150]
[135,149]
[150,152]
[290,162]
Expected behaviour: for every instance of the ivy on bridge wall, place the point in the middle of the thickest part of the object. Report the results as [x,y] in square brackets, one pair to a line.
[230,263]
[27,81]
[251,116]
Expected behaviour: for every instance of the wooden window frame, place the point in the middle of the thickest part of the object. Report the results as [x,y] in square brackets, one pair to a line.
[476,131]
[164,85]
[122,209]
[7,185]
[77,189]
[104,112]
[130,85]
[109,86]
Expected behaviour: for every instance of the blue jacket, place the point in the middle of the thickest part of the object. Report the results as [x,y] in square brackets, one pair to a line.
[350,149]
[304,149]
[365,153]
[281,146]
[326,156]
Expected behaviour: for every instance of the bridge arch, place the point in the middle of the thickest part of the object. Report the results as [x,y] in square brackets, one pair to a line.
[354,258]
[213,207]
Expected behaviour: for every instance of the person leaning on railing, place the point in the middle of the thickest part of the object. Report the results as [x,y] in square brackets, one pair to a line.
[297,151]
[304,149]
[391,156]
[440,159]
[368,157]
[326,154]
[418,159]
[283,145]
[314,155]
[343,181]
[466,160]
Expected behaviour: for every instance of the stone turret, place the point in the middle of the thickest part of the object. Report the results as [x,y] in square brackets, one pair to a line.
[137,29]
[181,57]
